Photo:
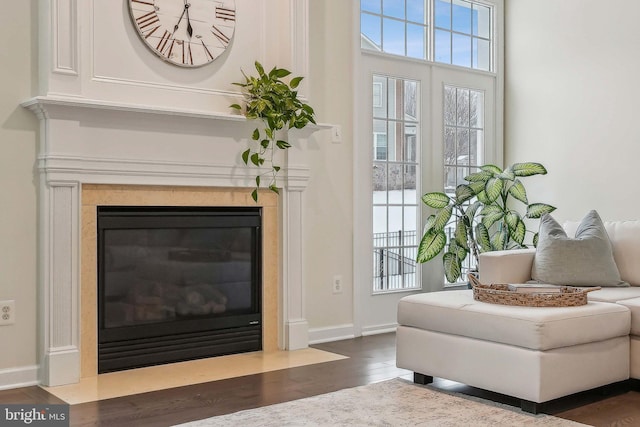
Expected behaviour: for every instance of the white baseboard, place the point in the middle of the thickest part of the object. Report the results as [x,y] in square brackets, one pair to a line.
[379,329]
[331,333]
[18,377]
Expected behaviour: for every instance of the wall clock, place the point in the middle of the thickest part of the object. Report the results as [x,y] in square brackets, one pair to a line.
[187,33]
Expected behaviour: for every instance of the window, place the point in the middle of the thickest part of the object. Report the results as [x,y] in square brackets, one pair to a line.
[394,26]
[395,174]
[462,34]
[461,30]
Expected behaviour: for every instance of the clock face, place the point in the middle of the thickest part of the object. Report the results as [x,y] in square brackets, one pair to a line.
[188,33]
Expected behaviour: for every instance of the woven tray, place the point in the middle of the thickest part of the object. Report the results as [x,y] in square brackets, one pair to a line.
[498,293]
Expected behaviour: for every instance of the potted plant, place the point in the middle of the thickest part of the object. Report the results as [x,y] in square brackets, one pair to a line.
[481,216]
[276,104]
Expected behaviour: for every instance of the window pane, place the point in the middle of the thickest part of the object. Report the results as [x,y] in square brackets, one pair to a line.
[443,14]
[461,47]
[370,27]
[462,147]
[476,140]
[481,54]
[395,94]
[416,11]
[410,184]
[449,105]
[411,100]
[449,145]
[393,36]
[410,143]
[481,21]
[394,8]
[380,220]
[370,5]
[462,107]
[416,36]
[461,16]
[380,102]
[443,47]
[391,142]
[379,182]
[476,112]
[395,179]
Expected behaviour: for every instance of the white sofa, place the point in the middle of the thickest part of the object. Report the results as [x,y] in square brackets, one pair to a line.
[534,354]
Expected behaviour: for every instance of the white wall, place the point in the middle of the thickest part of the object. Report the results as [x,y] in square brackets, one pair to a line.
[18,132]
[571,102]
[328,212]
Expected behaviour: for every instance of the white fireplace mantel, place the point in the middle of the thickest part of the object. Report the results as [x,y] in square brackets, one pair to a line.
[93,142]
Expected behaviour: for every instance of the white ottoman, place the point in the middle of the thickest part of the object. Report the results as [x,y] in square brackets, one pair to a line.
[533,353]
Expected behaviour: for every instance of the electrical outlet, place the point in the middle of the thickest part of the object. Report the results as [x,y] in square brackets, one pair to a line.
[7,312]
[337,284]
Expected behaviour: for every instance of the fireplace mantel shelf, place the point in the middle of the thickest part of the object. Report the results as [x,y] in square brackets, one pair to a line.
[41,104]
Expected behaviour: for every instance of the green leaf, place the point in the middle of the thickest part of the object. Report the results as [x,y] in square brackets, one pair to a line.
[518,232]
[442,217]
[507,174]
[490,215]
[255,159]
[431,245]
[471,211]
[258,181]
[518,191]
[429,222]
[482,237]
[260,68]
[528,169]
[477,186]
[482,196]
[461,234]
[254,195]
[265,143]
[236,106]
[535,240]
[481,176]
[276,168]
[463,194]
[245,156]
[491,168]
[512,219]
[452,267]
[536,210]
[275,189]
[493,188]
[436,200]
[256,135]
[499,239]
[295,82]
[282,144]
[281,72]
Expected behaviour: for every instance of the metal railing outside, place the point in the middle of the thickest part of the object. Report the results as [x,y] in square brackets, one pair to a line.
[394,260]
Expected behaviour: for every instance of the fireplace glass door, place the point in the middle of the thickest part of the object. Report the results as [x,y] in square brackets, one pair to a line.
[177,284]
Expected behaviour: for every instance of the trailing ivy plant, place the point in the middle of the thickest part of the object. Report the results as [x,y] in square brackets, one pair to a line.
[483,216]
[276,104]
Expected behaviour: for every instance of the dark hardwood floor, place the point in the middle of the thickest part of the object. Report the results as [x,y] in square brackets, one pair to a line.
[371,359]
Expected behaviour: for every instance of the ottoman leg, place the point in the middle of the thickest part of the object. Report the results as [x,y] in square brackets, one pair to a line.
[422,379]
[530,407]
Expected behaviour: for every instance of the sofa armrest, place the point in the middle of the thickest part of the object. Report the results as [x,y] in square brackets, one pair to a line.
[512,266]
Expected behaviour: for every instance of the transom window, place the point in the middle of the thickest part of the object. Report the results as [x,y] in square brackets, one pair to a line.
[460,32]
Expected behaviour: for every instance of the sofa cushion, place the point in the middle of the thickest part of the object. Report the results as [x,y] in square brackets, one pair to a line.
[634,306]
[625,240]
[536,328]
[586,260]
[614,294]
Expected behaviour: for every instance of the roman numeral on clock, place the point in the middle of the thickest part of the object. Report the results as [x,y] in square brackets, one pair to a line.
[164,42]
[146,23]
[207,52]
[225,14]
[220,35]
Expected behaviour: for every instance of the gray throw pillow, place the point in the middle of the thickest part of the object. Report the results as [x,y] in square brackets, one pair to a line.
[586,260]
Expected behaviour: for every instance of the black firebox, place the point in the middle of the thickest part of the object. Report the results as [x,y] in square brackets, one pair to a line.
[177,283]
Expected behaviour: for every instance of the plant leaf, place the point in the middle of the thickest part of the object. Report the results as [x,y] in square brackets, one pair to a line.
[536,210]
[282,144]
[528,169]
[482,196]
[518,191]
[471,211]
[294,84]
[254,195]
[265,143]
[255,159]
[452,267]
[256,135]
[518,233]
[535,240]
[442,217]
[245,156]
[477,186]
[431,245]
[276,168]
[463,194]
[492,169]
[429,222]
[236,106]
[512,219]
[481,176]
[482,237]
[281,72]
[499,239]
[436,200]
[493,188]
[258,181]
[490,215]
[275,189]
[461,234]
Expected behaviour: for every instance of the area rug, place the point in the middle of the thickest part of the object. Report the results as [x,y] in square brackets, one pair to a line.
[394,402]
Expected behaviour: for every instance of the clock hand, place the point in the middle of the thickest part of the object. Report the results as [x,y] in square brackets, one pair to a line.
[175,27]
[189,27]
